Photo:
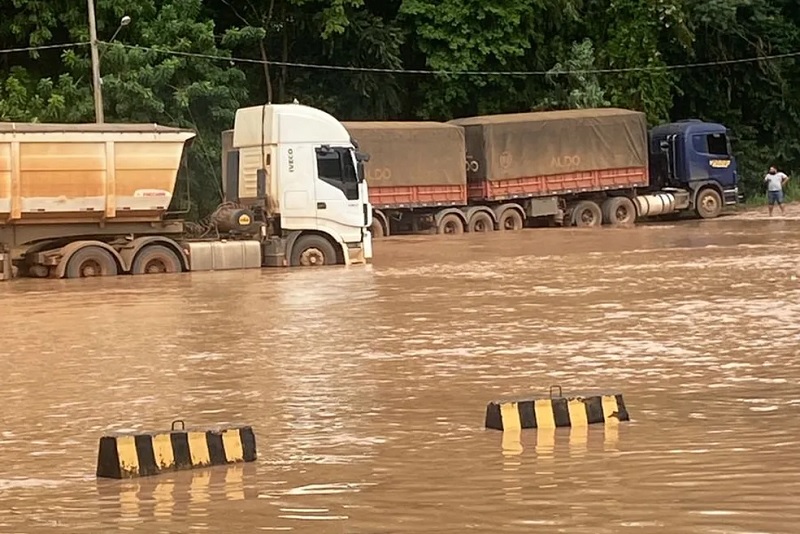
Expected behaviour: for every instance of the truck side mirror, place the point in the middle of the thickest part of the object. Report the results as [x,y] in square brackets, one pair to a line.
[362,157]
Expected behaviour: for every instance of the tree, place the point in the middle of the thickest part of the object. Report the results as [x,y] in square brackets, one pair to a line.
[466,35]
[194,62]
[758,101]
[574,85]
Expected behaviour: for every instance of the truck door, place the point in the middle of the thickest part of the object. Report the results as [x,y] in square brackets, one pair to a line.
[339,203]
[712,159]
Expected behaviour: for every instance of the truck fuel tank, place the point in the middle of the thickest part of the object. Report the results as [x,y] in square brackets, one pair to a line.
[224,255]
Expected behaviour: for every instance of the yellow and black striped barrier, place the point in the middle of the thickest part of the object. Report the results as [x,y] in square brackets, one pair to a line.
[153,453]
[556,411]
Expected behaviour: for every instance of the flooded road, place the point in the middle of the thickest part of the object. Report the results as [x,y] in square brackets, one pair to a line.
[367,387]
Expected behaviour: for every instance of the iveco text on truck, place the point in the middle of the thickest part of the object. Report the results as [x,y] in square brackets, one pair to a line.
[79,200]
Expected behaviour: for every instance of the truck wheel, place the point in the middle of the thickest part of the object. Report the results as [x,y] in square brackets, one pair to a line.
[587,213]
[313,251]
[708,204]
[510,220]
[481,222]
[450,224]
[91,261]
[38,271]
[156,259]
[619,210]
[376,229]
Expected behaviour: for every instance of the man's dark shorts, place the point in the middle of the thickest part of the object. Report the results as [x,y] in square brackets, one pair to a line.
[774,197]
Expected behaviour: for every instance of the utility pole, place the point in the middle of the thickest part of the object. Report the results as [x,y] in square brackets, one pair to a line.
[96,82]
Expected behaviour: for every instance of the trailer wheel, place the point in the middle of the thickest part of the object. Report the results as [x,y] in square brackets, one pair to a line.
[510,220]
[156,259]
[708,204]
[313,251]
[450,224]
[481,222]
[91,261]
[619,210]
[587,213]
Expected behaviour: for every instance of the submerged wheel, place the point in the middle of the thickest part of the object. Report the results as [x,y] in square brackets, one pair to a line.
[510,220]
[481,222]
[376,229]
[38,271]
[156,259]
[450,224]
[312,251]
[91,261]
[708,204]
[586,214]
[619,210]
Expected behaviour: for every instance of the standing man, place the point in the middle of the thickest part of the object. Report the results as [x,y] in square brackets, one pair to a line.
[775,181]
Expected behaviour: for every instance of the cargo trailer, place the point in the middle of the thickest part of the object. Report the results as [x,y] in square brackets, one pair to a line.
[582,167]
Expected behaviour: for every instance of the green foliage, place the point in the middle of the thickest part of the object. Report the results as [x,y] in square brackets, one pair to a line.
[465,35]
[759,102]
[574,86]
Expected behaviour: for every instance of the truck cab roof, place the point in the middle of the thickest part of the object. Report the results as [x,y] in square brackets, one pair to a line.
[687,127]
[286,123]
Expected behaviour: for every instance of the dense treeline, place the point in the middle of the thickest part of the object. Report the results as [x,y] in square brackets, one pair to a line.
[759,101]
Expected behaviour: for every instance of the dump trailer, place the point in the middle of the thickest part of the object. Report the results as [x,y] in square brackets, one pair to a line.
[576,167]
[80,200]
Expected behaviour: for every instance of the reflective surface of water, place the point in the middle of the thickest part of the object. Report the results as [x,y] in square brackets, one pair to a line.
[367,387]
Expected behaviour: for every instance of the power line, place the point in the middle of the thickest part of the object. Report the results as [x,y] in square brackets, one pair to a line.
[462,72]
[41,47]
[342,68]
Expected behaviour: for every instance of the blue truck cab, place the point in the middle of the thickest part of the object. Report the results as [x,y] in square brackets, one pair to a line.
[695,156]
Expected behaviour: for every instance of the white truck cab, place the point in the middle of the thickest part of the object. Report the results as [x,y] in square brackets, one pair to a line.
[299,168]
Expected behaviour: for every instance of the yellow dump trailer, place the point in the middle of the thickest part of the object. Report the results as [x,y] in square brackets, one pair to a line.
[87,171]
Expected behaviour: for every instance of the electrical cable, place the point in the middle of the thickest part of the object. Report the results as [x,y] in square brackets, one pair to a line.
[41,47]
[460,72]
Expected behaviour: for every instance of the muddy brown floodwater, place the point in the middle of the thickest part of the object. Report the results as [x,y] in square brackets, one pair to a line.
[367,387]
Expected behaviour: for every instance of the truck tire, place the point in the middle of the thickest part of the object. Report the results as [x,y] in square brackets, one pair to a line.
[708,204]
[510,220]
[156,259]
[376,229]
[481,222]
[586,214]
[91,261]
[38,271]
[312,251]
[450,224]
[619,210]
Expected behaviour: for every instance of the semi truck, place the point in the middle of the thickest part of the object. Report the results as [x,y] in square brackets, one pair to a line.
[583,167]
[83,200]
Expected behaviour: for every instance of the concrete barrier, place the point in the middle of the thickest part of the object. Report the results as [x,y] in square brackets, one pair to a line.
[153,453]
[555,411]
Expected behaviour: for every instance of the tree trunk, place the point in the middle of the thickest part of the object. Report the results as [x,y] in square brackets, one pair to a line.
[284,68]
[267,78]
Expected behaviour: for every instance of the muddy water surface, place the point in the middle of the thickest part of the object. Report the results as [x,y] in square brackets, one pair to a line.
[367,387]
